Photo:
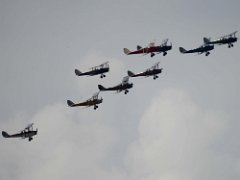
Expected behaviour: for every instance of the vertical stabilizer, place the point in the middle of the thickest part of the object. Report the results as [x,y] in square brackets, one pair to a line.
[126,51]
[206,40]
[77,72]
[182,50]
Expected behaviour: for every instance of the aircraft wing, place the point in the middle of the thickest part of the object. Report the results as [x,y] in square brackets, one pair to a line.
[152,44]
[155,66]
[229,35]
[164,42]
[105,64]
[95,96]
[29,126]
[125,80]
[233,34]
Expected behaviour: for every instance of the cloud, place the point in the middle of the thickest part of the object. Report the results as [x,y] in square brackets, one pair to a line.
[68,146]
[176,139]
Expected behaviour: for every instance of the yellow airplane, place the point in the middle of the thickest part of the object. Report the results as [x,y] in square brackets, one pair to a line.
[93,101]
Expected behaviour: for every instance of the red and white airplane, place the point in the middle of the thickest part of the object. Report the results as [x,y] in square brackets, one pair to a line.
[152,49]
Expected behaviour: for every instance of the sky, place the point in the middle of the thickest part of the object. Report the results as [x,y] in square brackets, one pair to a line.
[182,126]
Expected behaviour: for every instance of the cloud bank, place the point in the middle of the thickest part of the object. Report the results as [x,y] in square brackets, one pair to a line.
[176,139]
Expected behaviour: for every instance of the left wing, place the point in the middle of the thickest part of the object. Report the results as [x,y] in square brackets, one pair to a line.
[164,43]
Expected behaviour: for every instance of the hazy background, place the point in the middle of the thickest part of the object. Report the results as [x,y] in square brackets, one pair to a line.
[182,126]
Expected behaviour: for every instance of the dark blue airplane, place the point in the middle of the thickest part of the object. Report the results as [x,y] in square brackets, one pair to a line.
[200,50]
[124,86]
[228,39]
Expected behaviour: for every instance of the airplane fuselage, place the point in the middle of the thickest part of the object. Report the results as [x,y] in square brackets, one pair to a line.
[201,49]
[89,103]
[121,87]
[152,49]
[224,41]
[148,73]
[94,72]
[23,134]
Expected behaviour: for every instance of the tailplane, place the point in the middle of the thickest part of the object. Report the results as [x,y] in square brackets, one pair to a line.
[70,103]
[182,50]
[130,73]
[5,134]
[126,51]
[77,72]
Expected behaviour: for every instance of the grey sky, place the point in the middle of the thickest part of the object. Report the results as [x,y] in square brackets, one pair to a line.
[184,125]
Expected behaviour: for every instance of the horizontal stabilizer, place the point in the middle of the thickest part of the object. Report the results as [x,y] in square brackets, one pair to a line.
[77,72]
[70,103]
[126,51]
[130,73]
[4,134]
[206,40]
[182,50]
[101,88]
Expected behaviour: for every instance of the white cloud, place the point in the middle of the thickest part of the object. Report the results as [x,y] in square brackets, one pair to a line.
[176,139]
[64,147]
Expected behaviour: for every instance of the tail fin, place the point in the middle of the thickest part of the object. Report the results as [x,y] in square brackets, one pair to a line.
[139,47]
[130,73]
[5,134]
[77,72]
[70,103]
[182,50]
[206,40]
[101,88]
[126,51]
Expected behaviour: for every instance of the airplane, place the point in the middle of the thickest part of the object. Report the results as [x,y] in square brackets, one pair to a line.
[153,71]
[28,132]
[124,86]
[93,101]
[200,50]
[100,69]
[152,49]
[228,39]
